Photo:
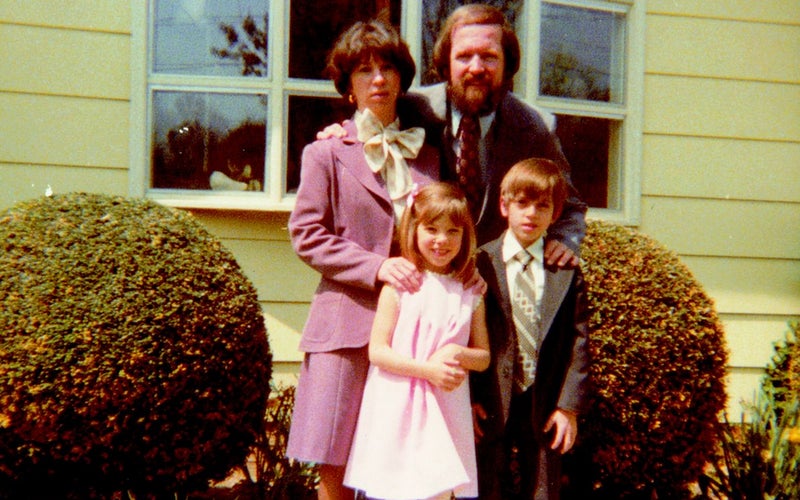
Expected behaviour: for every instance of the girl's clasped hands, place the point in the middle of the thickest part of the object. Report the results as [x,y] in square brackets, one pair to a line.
[445,367]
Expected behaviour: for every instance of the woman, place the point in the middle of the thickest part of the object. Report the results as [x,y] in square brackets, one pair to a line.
[352,192]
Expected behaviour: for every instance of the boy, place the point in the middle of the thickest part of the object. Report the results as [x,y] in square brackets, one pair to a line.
[526,404]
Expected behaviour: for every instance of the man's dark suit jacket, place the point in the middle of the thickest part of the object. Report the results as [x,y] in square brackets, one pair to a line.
[517,133]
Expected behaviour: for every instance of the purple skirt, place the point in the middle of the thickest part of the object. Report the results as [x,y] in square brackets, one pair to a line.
[327,402]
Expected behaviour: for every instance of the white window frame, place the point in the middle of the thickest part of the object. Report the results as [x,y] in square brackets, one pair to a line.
[278,87]
[625,162]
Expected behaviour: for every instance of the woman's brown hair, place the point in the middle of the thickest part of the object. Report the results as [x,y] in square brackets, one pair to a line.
[363,40]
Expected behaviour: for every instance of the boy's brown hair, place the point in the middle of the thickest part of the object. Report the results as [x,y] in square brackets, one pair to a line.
[532,178]
[439,199]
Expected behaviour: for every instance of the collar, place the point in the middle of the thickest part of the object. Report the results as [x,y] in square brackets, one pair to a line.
[512,247]
[485,120]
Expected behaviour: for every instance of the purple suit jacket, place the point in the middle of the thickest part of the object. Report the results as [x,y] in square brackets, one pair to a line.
[342,226]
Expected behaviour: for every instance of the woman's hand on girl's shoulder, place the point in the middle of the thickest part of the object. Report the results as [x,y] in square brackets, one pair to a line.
[401,274]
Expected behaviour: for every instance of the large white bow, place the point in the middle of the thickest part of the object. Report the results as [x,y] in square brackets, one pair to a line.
[386,148]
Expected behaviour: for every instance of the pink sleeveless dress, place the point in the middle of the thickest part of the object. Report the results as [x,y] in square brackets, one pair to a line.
[412,439]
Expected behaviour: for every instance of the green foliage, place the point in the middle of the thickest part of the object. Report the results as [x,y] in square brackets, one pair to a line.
[760,457]
[273,476]
[277,476]
[782,380]
[133,351]
[657,373]
[269,474]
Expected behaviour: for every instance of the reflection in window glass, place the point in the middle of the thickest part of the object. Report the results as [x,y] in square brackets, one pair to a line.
[587,144]
[434,14]
[307,116]
[208,141]
[581,53]
[197,37]
[314,27]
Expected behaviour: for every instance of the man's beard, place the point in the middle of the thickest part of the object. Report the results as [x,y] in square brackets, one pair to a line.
[475,100]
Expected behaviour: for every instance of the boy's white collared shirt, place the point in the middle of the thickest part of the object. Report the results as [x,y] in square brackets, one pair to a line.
[512,247]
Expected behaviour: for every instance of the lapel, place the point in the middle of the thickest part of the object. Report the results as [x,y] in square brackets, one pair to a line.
[499,286]
[556,286]
[500,139]
[351,159]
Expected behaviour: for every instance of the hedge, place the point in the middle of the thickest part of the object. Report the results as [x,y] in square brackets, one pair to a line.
[133,351]
[658,368]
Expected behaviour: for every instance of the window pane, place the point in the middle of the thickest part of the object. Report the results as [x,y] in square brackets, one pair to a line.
[434,14]
[314,27]
[307,116]
[208,141]
[581,53]
[204,37]
[587,147]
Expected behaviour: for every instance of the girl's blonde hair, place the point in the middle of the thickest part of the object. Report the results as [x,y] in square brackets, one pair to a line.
[439,199]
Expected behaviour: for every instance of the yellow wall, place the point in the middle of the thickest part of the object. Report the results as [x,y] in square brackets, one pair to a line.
[721,166]
[720,174]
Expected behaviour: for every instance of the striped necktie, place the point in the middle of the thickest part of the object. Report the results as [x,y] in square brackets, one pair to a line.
[526,322]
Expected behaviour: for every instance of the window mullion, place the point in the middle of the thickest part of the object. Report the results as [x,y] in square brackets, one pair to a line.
[530,42]
[278,108]
[584,108]
[410,21]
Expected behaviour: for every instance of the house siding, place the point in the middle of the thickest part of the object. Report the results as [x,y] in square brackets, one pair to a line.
[720,175]
[721,164]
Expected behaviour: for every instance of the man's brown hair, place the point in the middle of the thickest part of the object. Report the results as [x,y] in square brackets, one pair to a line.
[476,13]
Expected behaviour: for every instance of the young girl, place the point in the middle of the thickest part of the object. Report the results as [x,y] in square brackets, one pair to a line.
[414,437]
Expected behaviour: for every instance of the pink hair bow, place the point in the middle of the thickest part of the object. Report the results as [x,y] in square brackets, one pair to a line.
[413,194]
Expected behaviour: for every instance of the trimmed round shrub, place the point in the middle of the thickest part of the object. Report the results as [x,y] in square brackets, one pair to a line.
[657,373]
[133,351]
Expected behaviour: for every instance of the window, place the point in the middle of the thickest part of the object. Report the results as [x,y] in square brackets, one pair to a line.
[232,91]
[226,94]
[588,64]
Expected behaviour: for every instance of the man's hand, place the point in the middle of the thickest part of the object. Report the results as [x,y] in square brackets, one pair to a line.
[558,254]
[477,282]
[333,130]
[566,430]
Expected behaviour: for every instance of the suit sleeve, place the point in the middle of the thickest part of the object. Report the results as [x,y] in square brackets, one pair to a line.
[480,382]
[574,393]
[315,228]
[570,228]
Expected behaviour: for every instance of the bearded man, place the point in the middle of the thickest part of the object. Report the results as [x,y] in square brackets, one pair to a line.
[477,55]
